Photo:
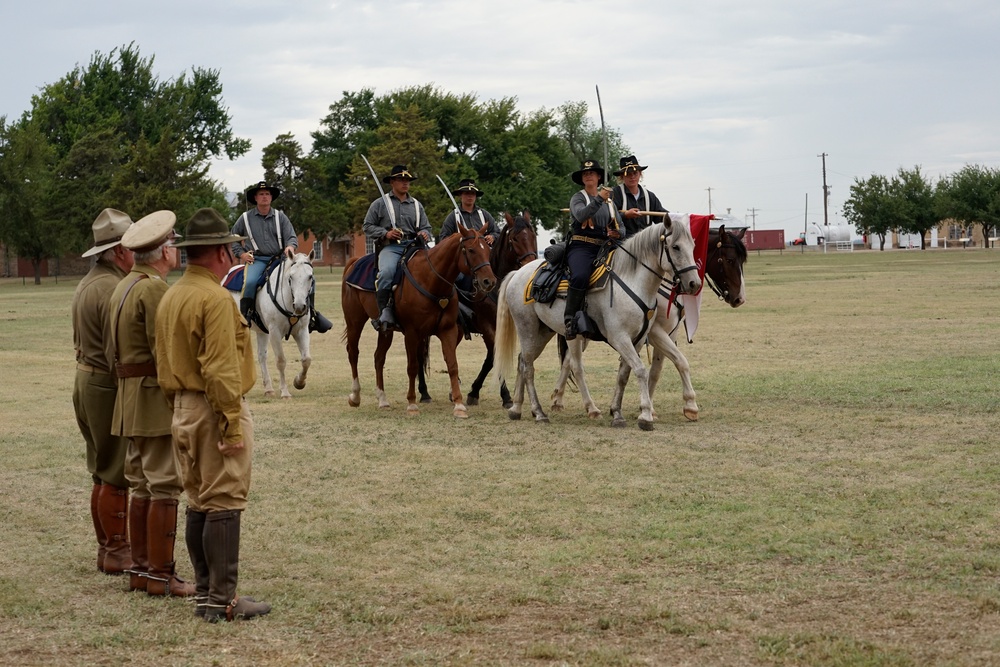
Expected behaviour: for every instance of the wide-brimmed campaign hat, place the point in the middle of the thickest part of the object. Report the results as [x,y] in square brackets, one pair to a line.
[399,171]
[150,232]
[109,227]
[254,189]
[628,163]
[207,227]
[467,185]
[588,165]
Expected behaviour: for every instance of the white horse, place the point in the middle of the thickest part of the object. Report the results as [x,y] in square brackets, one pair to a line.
[724,269]
[283,306]
[622,310]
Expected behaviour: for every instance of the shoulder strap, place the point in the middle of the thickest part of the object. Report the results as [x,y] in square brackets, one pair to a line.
[277,228]
[482,218]
[114,320]
[246,227]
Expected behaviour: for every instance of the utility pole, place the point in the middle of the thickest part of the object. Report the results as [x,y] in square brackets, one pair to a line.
[709,200]
[826,194]
[753,216]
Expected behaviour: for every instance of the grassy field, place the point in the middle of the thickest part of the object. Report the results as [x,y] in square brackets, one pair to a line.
[836,503]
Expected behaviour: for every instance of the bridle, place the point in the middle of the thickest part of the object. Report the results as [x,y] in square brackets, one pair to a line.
[723,294]
[291,316]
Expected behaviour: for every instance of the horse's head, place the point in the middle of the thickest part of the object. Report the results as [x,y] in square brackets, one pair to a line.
[677,255]
[297,274]
[516,246]
[474,260]
[726,256]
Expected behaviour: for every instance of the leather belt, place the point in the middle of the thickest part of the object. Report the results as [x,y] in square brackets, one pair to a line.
[587,239]
[147,369]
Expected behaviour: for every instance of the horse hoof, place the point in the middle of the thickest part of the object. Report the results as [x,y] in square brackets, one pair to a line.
[299,385]
[645,425]
[412,410]
[425,398]
[556,407]
[270,394]
[596,414]
[471,400]
[514,416]
[460,413]
[508,405]
[353,402]
[286,397]
[618,422]
[692,415]
[542,419]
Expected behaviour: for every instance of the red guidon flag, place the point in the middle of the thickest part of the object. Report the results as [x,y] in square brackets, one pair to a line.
[699,225]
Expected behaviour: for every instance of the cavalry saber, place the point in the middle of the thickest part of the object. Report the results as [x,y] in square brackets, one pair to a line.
[378,184]
[604,133]
[458,213]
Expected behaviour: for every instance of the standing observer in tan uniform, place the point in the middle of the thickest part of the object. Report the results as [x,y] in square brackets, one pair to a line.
[142,414]
[95,388]
[204,364]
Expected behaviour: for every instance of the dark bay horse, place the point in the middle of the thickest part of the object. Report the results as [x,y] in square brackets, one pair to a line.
[516,246]
[426,304]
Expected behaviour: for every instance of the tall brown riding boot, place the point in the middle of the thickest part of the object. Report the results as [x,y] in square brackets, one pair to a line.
[162,578]
[222,548]
[102,537]
[194,536]
[112,508]
[137,515]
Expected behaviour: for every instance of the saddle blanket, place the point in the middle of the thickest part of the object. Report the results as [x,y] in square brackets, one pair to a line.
[234,279]
[362,274]
[598,279]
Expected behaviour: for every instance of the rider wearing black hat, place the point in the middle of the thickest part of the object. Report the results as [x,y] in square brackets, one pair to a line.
[631,198]
[595,220]
[269,233]
[473,216]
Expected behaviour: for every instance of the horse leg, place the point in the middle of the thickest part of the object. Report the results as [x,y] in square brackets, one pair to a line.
[352,335]
[617,420]
[449,345]
[302,340]
[514,411]
[527,371]
[265,374]
[560,389]
[665,346]
[280,362]
[631,358]
[575,354]
[384,341]
[477,384]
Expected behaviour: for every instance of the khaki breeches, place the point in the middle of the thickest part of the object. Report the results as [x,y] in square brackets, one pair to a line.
[212,482]
[94,405]
[152,469]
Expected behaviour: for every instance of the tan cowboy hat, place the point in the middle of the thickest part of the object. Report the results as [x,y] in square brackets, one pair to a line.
[150,232]
[109,227]
[588,165]
[207,227]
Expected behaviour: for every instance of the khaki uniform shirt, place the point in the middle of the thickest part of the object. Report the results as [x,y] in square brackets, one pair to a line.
[91,324]
[203,345]
[140,409]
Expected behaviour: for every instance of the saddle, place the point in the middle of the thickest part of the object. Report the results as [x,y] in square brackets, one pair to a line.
[235,276]
[551,281]
[363,272]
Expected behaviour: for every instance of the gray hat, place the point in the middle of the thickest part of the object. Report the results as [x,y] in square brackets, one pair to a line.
[207,227]
[109,227]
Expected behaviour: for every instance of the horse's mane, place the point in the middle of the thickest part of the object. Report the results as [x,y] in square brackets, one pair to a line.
[741,249]
[644,242]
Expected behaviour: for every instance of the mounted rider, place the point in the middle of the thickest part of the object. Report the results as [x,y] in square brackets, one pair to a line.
[630,197]
[595,220]
[269,234]
[394,221]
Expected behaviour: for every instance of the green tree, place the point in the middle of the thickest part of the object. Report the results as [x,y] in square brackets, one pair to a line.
[915,203]
[971,197]
[584,138]
[25,174]
[871,208]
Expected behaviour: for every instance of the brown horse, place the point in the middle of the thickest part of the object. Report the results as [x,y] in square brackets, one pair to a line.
[426,303]
[515,247]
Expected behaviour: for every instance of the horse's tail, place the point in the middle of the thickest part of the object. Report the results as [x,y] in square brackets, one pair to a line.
[505,344]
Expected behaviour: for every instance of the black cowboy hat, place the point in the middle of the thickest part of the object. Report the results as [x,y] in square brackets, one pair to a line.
[628,163]
[399,171]
[254,189]
[467,185]
[588,165]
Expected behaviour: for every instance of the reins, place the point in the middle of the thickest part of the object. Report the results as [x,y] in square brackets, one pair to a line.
[289,315]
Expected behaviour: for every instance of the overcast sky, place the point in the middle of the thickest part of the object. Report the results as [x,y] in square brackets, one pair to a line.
[734,96]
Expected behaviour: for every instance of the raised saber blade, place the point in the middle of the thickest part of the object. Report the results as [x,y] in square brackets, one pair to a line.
[381,192]
[604,134]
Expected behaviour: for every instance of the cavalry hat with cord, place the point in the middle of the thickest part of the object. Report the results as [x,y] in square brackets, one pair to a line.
[627,164]
[109,227]
[254,189]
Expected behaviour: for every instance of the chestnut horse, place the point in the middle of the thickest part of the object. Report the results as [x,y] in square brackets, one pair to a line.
[426,303]
[515,247]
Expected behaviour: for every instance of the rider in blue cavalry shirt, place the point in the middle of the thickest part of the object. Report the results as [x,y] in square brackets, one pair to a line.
[269,233]
[595,220]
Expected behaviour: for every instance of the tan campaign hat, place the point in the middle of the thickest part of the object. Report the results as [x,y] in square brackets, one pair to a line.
[109,227]
[150,232]
[207,227]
